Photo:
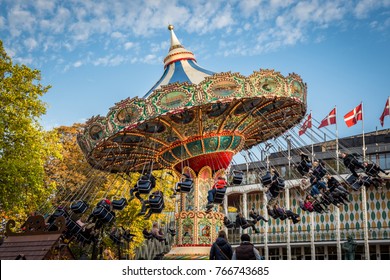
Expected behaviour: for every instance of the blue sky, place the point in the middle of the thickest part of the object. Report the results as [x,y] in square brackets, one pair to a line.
[97,53]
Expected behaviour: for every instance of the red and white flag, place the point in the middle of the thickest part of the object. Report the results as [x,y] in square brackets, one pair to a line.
[386,112]
[329,119]
[305,125]
[354,116]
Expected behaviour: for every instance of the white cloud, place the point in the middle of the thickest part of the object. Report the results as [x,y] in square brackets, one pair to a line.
[117,35]
[109,60]
[30,43]
[129,45]
[77,64]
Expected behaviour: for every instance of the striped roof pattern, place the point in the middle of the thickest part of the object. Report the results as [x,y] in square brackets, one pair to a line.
[180,66]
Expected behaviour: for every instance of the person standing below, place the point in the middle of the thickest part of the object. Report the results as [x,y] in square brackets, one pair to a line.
[221,249]
[246,250]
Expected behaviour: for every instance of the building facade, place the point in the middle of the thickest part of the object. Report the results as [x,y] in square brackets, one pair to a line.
[317,236]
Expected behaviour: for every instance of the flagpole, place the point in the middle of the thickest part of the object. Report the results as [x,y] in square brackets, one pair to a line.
[364,141]
[337,143]
[364,200]
[312,142]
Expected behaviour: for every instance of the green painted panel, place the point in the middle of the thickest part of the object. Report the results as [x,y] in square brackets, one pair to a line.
[331,218]
[379,225]
[373,216]
[356,207]
[322,218]
[195,147]
[211,144]
[384,215]
[236,142]
[180,152]
[168,157]
[378,205]
[341,217]
[372,196]
[347,226]
[225,142]
[357,226]
[351,216]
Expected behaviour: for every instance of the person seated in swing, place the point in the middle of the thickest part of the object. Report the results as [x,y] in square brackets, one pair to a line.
[277,185]
[228,223]
[256,217]
[316,185]
[158,234]
[186,179]
[272,212]
[147,234]
[105,203]
[244,223]
[219,184]
[308,205]
[305,164]
[373,170]
[351,162]
[286,213]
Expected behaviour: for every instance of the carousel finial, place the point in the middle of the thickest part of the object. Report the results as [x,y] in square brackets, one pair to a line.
[170,27]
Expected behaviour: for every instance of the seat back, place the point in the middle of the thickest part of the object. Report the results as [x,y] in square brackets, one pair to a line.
[185,186]
[266,179]
[319,171]
[351,179]
[103,214]
[119,204]
[72,227]
[238,176]
[79,207]
[219,196]
[144,186]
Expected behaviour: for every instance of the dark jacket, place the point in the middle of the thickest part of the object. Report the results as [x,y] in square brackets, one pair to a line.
[245,251]
[221,250]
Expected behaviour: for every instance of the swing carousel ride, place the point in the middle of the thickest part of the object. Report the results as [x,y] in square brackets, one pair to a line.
[192,122]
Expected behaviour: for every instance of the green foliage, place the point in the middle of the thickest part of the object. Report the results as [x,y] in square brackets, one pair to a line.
[24,145]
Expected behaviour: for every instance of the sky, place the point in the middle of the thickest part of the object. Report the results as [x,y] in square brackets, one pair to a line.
[97,53]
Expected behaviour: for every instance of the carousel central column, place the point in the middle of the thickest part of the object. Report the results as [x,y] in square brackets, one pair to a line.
[196,228]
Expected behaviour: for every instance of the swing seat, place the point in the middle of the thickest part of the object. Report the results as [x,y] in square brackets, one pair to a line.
[115,238]
[351,179]
[266,179]
[219,196]
[79,207]
[357,185]
[238,176]
[280,182]
[156,199]
[303,167]
[144,186]
[185,186]
[103,214]
[319,172]
[72,227]
[367,182]
[157,209]
[119,204]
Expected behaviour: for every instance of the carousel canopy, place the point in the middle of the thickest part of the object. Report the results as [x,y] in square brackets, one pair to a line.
[193,117]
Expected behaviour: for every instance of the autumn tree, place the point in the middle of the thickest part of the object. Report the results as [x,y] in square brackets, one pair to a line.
[24,145]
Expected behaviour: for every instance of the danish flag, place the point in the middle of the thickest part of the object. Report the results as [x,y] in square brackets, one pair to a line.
[329,119]
[386,112]
[305,125]
[354,116]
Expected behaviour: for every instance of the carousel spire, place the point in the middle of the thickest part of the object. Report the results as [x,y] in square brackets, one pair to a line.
[179,66]
[177,51]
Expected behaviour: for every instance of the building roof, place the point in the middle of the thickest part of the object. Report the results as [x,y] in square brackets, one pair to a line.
[29,247]
[180,66]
